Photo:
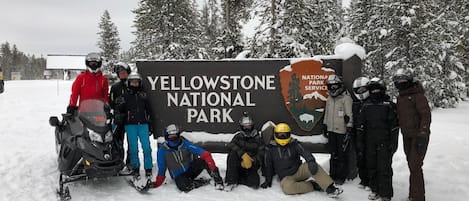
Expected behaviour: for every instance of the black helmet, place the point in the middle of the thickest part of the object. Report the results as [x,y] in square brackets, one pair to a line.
[246,125]
[121,66]
[172,135]
[93,61]
[376,87]
[335,85]
[404,78]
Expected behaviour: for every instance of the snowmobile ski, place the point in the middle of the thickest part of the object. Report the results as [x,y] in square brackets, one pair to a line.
[136,183]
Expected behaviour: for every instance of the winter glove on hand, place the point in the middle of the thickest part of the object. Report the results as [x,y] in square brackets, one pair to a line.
[313,167]
[72,109]
[159,181]
[267,184]
[421,145]
[324,131]
[246,163]
[215,174]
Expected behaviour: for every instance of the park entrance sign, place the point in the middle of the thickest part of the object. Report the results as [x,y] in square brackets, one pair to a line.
[211,96]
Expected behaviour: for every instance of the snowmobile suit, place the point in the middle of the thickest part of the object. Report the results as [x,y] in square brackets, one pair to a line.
[138,110]
[286,163]
[414,119]
[360,144]
[378,124]
[185,162]
[118,90]
[239,145]
[89,85]
[338,117]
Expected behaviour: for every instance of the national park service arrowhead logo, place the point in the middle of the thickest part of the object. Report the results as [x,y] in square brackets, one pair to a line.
[304,91]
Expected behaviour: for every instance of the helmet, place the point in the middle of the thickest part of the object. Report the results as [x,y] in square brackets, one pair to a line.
[377,87]
[404,78]
[335,85]
[172,135]
[246,125]
[359,88]
[121,66]
[282,134]
[132,77]
[93,62]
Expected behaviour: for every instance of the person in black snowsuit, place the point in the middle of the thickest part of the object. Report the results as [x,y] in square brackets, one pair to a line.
[362,94]
[245,156]
[282,157]
[378,124]
[116,97]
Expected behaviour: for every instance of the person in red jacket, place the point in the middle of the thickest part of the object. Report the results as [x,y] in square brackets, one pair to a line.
[91,84]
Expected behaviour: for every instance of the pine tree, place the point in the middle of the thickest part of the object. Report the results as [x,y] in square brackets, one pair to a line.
[211,23]
[296,28]
[108,38]
[234,12]
[166,29]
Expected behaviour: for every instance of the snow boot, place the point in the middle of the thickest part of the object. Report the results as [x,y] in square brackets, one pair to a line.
[373,196]
[333,191]
[148,173]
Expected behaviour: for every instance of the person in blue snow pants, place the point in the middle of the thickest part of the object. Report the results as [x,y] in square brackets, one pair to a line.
[137,108]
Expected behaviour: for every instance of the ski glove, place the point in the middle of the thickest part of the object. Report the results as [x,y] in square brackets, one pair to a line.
[246,163]
[266,184]
[421,145]
[324,131]
[159,181]
[71,109]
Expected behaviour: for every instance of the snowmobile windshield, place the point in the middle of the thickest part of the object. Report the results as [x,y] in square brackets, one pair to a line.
[92,113]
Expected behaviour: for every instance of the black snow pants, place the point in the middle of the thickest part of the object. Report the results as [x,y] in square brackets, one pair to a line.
[379,163]
[235,174]
[119,134]
[339,158]
[185,181]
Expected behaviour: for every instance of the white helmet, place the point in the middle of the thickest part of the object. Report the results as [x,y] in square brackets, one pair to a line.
[360,89]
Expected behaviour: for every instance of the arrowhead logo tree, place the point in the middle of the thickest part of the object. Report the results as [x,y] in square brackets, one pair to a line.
[304,91]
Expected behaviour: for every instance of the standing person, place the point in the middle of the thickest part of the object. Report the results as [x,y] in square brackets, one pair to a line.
[185,161]
[361,93]
[245,156]
[116,97]
[338,120]
[414,120]
[91,84]
[282,157]
[378,124]
[139,114]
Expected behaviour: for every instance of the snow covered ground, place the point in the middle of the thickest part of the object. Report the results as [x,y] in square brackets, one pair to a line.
[28,159]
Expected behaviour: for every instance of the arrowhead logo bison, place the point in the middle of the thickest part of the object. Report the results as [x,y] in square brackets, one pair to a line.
[304,91]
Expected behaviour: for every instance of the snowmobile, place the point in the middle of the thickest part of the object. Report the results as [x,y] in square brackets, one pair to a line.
[85,146]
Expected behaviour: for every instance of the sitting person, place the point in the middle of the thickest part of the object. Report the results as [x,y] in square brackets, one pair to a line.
[184,160]
[245,156]
[282,157]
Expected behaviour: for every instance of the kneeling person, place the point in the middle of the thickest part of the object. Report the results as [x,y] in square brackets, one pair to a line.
[184,160]
[282,157]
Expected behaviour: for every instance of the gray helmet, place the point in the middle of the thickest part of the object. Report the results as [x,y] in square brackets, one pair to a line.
[93,61]
[335,85]
[134,76]
[246,125]
[360,89]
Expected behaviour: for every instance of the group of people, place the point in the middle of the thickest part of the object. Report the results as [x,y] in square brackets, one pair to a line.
[362,134]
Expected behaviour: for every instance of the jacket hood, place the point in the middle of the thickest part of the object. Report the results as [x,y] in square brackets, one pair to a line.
[417,88]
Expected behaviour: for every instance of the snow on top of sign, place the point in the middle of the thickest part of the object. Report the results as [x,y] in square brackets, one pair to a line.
[297,60]
[327,69]
[315,95]
[243,55]
[286,68]
[198,136]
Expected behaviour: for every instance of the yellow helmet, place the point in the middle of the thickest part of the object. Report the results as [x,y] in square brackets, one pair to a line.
[282,134]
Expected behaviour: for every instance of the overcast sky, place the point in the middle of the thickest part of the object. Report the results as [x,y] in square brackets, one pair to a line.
[44,27]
